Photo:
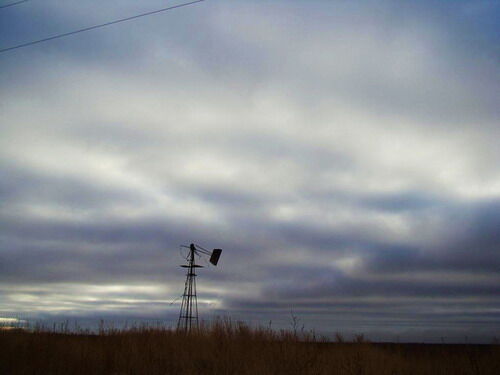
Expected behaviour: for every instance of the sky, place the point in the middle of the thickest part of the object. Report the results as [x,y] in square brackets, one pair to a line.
[343,154]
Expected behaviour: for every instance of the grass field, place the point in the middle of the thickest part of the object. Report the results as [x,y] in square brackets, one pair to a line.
[225,347]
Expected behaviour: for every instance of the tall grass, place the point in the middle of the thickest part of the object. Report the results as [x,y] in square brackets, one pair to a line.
[226,347]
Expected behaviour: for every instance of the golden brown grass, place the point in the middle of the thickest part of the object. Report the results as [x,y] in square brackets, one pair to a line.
[229,348]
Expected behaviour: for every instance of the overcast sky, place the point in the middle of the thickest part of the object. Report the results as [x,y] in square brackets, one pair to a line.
[343,154]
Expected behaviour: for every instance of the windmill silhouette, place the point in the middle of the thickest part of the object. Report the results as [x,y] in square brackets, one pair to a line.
[188,315]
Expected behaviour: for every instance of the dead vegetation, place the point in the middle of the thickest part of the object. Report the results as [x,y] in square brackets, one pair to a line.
[225,347]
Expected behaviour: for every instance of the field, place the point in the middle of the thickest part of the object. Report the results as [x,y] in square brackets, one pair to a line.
[225,347]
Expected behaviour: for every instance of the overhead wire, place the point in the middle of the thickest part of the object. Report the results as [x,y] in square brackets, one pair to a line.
[98,26]
[12,4]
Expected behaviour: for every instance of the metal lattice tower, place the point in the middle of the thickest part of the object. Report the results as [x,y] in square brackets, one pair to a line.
[188,316]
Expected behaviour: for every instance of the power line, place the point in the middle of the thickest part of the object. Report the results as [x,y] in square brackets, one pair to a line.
[97,26]
[12,4]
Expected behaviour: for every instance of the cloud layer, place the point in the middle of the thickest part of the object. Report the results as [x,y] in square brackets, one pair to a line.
[343,155]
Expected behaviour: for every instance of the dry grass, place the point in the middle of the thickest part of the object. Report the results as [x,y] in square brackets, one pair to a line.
[229,348]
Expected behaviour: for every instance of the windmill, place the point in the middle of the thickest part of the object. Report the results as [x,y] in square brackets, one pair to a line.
[188,316]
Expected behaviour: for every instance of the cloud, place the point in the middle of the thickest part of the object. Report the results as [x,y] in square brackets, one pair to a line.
[343,155]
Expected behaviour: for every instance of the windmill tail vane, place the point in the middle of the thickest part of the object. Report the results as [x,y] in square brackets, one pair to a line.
[188,315]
